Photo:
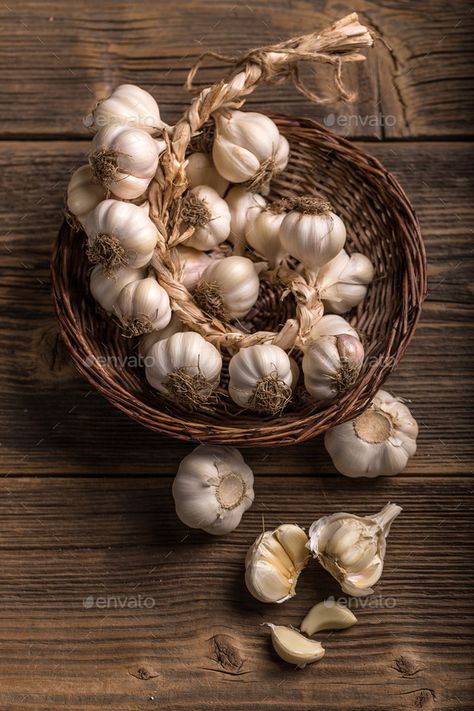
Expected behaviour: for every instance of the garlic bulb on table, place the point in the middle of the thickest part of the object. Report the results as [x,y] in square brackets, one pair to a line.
[352,548]
[342,282]
[120,234]
[83,193]
[377,443]
[149,339]
[212,489]
[106,287]
[263,234]
[203,209]
[186,368]
[128,105]
[143,306]
[229,287]
[200,170]
[193,262]
[124,160]
[261,377]
[311,232]
[244,206]
[331,365]
[274,561]
[332,325]
[248,148]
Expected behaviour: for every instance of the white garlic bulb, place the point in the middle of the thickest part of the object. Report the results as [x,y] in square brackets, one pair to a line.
[229,287]
[200,170]
[143,306]
[128,105]
[120,234]
[193,262]
[311,232]
[332,325]
[261,377]
[331,365]
[203,209]
[84,193]
[106,287]
[352,548]
[342,282]
[377,443]
[263,234]
[248,148]
[149,339]
[274,561]
[295,648]
[212,489]
[124,159]
[244,206]
[186,368]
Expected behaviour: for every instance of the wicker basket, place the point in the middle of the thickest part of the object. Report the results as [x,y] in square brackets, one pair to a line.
[380,223]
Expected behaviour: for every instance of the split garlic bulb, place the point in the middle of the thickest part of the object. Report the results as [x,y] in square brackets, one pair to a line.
[128,105]
[377,443]
[143,306]
[186,368]
[248,148]
[84,193]
[120,234]
[274,561]
[263,234]
[149,339]
[260,378]
[342,282]
[124,159]
[229,287]
[244,206]
[332,325]
[106,287]
[352,548]
[212,489]
[331,365]
[203,209]
[193,262]
[311,232]
[200,170]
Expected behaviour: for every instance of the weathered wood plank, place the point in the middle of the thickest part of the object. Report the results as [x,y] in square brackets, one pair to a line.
[109,602]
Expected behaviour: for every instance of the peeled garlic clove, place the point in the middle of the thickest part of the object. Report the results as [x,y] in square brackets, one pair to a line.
[131,106]
[331,366]
[200,170]
[293,648]
[229,287]
[244,206]
[327,615]
[203,209]
[342,282]
[84,193]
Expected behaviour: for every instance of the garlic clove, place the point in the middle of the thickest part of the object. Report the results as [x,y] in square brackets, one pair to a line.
[293,648]
[327,615]
[266,582]
[293,539]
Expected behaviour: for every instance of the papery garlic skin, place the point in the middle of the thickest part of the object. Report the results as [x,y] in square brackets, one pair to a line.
[229,287]
[193,263]
[212,489]
[200,170]
[124,159]
[293,647]
[209,214]
[244,206]
[352,548]
[331,365]
[105,287]
[143,306]
[274,562]
[262,233]
[84,193]
[149,339]
[327,615]
[261,377]
[128,105]
[332,325]
[120,234]
[377,443]
[342,283]
[311,232]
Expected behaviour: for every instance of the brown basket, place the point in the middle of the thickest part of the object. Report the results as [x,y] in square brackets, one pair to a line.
[380,223]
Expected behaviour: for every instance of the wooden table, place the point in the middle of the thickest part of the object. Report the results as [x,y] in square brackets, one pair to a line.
[107,600]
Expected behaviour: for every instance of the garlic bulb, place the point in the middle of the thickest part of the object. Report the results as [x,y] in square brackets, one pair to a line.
[120,234]
[331,365]
[332,325]
[248,148]
[203,209]
[149,339]
[186,368]
[106,287]
[274,562]
[244,206]
[352,548]
[193,262]
[229,287]
[212,489]
[83,193]
[327,615]
[128,105]
[260,378]
[377,443]
[342,282]
[143,306]
[293,647]
[311,232]
[124,159]
[200,170]
[262,233]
